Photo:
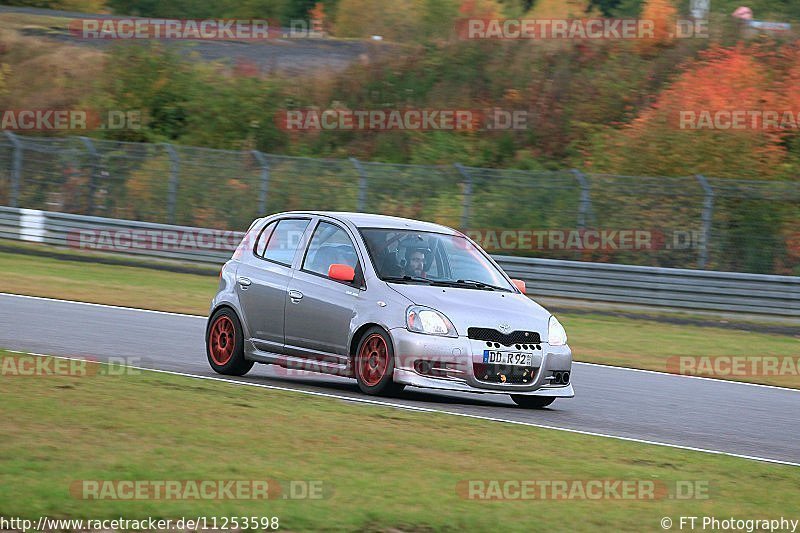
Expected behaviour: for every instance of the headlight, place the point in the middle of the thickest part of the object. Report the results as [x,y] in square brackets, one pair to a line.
[428,321]
[556,335]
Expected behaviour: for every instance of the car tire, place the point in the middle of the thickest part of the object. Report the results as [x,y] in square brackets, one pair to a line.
[532,402]
[373,364]
[225,344]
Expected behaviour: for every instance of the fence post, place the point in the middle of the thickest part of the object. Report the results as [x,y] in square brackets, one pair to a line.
[262,195]
[172,192]
[362,185]
[93,174]
[586,200]
[708,214]
[466,203]
[16,168]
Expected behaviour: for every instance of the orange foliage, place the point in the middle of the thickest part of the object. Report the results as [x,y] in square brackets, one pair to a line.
[727,80]
[317,12]
[790,89]
[560,9]
[663,15]
[317,15]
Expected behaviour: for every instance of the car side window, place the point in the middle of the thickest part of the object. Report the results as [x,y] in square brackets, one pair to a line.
[263,238]
[284,240]
[329,245]
[246,241]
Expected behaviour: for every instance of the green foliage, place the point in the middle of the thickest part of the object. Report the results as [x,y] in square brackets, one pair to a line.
[618,8]
[432,11]
[750,235]
[86,6]
[436,14]
[779,10]
[762,9]
[283,10]
[192,104]
[590,106]
[151,78]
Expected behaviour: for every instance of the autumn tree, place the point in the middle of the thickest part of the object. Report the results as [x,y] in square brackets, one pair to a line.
[671,137]
[662,14]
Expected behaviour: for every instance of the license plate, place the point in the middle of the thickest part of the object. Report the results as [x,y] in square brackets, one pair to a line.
[507,358]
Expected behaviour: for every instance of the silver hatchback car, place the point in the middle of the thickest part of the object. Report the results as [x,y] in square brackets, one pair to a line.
[388,301]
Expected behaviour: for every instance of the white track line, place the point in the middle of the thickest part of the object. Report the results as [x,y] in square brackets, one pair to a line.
[370,401]
[624,368]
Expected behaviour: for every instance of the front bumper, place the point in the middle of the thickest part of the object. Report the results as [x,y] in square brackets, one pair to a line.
[455,359]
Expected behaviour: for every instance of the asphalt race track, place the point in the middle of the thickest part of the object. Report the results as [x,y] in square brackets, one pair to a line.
[753,421]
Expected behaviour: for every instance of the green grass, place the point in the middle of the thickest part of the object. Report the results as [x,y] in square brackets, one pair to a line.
[46,23]
[108,284]
[596,338]
[381,468]
[648,344]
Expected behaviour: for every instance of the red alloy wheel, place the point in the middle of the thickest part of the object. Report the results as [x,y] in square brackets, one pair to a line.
[222,339]
[373,360]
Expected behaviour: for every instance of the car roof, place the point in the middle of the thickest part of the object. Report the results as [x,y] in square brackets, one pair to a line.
[368,220]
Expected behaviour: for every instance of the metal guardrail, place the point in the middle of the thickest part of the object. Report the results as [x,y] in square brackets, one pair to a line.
[698,290]
[128,237]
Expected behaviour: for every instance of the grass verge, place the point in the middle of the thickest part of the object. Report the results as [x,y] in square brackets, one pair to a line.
[596,338]
[380,468]
[123,285]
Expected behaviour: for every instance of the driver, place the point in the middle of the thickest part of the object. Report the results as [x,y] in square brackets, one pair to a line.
[415,262]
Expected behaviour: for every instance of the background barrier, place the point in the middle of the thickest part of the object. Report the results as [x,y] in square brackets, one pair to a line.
[698,290]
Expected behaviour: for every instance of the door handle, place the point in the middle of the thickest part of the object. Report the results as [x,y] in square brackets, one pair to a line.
[244,282]
[295,296]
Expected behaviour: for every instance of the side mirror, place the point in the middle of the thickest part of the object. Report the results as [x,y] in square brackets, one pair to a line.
[518,283]
[341,272]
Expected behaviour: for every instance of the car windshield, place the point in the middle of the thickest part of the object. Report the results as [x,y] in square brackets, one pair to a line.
[405,256]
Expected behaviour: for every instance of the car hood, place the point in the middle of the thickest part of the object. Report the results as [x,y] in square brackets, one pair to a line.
[467,308]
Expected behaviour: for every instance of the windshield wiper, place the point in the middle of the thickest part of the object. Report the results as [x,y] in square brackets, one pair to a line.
[406,279]
[481,285]
[446,283]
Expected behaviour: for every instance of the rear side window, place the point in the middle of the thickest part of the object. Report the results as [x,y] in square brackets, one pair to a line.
[263,238]
[247,240]
[284,240]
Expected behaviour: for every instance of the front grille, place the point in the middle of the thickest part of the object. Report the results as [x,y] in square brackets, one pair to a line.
[515,375]
[492,335]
